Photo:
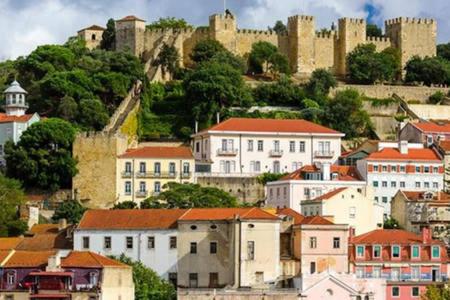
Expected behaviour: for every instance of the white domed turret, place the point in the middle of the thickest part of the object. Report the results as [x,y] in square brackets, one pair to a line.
[15,104]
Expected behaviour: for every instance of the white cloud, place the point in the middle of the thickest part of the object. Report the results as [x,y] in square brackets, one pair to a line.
[26,24]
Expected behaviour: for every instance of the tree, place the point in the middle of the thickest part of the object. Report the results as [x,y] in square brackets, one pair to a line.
[319,84]
[212,87]
[269,177]
[42,158]
[311,111]
[11,197]
[70,210]
[93,114]
[190,195]
[206,49]
[169,60]
[436,292]
[226,57]
[346,114]
[264,57]
[443,51]
[109,36]
[68,108]
[429,70]
[373,30]
[391,223]
[170,23]
[281,92]
[279,27]
[436,98]
[147,284]
[125,205]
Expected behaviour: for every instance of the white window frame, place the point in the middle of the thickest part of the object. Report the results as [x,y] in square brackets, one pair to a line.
[373,251]
[363,252]
[399,252]
[412,247]
[432,252]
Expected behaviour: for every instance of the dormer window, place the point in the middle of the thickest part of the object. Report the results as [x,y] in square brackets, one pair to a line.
[376,251]
[395,251]
[10,278]
[415,251]
[360,251]
[334,176]
[435,252]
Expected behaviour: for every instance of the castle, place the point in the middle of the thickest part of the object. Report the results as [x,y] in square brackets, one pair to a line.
[306,48]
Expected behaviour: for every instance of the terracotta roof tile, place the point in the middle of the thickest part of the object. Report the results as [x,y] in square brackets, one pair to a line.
[159,152]
[419,196]
[250,213]
[388,236]
[3,255]
[445,145]
[93,27]
[429,127]
[10,242]
[4,118]
[271,125]
[345,173]
[316,220]
[45,228]
[330,194]
[130,219]
[130,18]
[298,217]
[87,259]
[34,259]
[413,154]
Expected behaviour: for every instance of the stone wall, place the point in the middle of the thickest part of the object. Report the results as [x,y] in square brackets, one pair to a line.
[204,294]
[246,189]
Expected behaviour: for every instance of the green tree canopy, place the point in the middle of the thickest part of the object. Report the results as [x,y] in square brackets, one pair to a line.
[93,114]
[346,114]
[109,36]
[269,177]
[190,195]
[147,284]
[11,197]
[169,60]
[170,23]
[43,158]
[443,51]
[391,223]
[70,210]
[436,292]
[279,27]
[319,84]
[281,92]
[429,70]
[265,58]
[125,205]
[373,30]
[204,50]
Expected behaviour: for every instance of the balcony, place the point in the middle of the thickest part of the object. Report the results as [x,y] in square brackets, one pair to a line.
[227,152]
[127,174]
[141,194]
[276,153]
[156,175]
[186,175]
[323,154]
[408,277]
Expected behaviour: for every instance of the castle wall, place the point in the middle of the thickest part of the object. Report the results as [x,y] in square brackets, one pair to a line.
[130,36]
[380,43]
[352,32]
[301,30]
[245,189]
[245,38]
[324,49]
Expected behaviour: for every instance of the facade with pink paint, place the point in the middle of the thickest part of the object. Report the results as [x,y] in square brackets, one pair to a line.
[409,262]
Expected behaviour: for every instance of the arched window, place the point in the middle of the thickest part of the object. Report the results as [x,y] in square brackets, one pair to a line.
[93,37]
[11,278]
[93,278]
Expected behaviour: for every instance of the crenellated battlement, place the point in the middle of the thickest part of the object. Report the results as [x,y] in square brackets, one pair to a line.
[300,18]
[221,16]
[326,35]
[352,20]
[381,39]
[259,32]
[406,20]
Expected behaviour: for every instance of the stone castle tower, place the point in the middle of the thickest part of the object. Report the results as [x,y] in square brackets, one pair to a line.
[306,48]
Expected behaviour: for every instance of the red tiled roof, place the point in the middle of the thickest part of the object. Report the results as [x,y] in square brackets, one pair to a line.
[36,197]
[271,125]
[298,217]
[413,154]
[130,18]
[388,236]
[432,127]
[45,229]
[316,220]
[159,152]
[419,195]
[330,194]
[345,173]
[445,145]
[22,259]
[8,243]
[88,259]
[93,27]
[131,219]
[4,118]
[3,255]
[252,213]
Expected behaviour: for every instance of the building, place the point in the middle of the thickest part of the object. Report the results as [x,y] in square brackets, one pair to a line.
[143,172]
[228,247]
[425,133]
[14,121]
[409,262]
[444,150]
[404,166]
[145,235]
[247,147]
[54,275]
[415,210]
[310,182]
[92,35]
[305,48]
[347,206]
[349,158]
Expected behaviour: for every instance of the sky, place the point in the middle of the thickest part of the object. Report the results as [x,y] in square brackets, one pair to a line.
[26,24]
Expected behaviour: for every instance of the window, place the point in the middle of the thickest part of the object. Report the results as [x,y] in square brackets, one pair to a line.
[402,184]
[312,267]
[395,251]
[426,185]
[127,167]
[435,252]
[393,168]
[172,168]
[375,184]
[250,145]
[9,297]
[359,272]
[85,242]
[129,242]
[142,187]
[426,169]
[93,278]
[415,272]
[10,278]
[376,272]
[417,184]
[384,183]
[359,251]
[402,168]
[291,146]
[157,186]
[250,250]
[186,168]
[393,184]
[173,242]
[395,291]
[151,242]
[376,251]
[352,212]
[302,147]
[276,167]
[127,187]
[313,242]
[435,185]
[157,168]
[193,248]
[193,280]
[395,274]
[107,242]
[415,251]
[336,243]
[384,168]
[284,192]
[173,279]
[197,147]
[376,199]
[417,169]
[375,168]
[415,291]
[213,247]
[142,167]
[384,199]
[435,170]
[260,145]
[213,280]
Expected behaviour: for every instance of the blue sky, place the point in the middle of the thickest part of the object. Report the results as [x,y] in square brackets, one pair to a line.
[25,24]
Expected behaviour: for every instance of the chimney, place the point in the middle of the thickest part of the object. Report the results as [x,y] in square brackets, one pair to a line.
[403,147]
[426,235]
[217,117]
[54,263]
[196,126]
[62,224]
[326,171]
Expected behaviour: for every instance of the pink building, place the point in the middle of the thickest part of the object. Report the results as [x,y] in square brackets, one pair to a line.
[409,262]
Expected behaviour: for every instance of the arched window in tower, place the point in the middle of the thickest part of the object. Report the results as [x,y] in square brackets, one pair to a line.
[93,37]
[14,98]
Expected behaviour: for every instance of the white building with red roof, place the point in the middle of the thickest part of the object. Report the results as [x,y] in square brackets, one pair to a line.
[310,182]
[425,132]
[247,147]
[14,121]
[401,166]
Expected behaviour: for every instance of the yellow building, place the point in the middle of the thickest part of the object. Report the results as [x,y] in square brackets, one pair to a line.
[143,172]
